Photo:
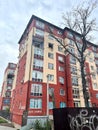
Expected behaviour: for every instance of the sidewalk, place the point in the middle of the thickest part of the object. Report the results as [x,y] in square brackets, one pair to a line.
[7,128]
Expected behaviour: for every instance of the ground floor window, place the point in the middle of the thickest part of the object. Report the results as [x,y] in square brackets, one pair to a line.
[35,103]
[62,104]
[77,104]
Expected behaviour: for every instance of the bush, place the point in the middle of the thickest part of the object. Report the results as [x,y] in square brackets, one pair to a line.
[39,126]
[2,120]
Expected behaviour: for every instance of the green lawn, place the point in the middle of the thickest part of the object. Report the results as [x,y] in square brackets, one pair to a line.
[2,120]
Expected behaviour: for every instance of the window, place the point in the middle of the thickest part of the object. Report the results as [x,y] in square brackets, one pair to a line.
[9,87]
[61,80]
[95,86]
[72,50]
[6,101]
[91,59]
[71,43]
[51,91]
[50,77]
[12,65]
[76,103]
[72,60]
[50,105]
[38,44]
[9,81]
[62,104]
[11,71]
[50,55]
[50,45]
[8,94]
[60,40]
[62,92]
[61,68]
[78,54]
[38,64]
[92,67]
[78,38]
[97,95]
[79,46]
[93,76]
[39,33]
[76,93]
[69,34]
[51,28]
[50,37]
[59,32]
[38,51]
[50,66]
[37,76]
[35,103]
[40,24]
[73,70]
[94,48]
[60,48]
[36,90]
[74,81]
[97,70]
[96,61]
[96,55]
[60,58]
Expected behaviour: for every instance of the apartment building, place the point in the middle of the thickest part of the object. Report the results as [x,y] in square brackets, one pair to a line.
[5,98]
[46,77]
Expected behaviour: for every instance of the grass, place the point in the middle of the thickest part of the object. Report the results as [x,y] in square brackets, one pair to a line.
[2,120]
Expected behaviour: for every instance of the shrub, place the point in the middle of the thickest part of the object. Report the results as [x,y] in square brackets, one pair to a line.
[2,120]
[39,126]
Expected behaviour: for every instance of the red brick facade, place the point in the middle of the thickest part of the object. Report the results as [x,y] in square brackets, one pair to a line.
[63,91]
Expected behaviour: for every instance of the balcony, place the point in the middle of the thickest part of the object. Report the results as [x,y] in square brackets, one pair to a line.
[37,80]
[38,56]
[10,75]
[37,68]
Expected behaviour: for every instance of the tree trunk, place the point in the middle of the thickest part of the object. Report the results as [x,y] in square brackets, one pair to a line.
[85,92]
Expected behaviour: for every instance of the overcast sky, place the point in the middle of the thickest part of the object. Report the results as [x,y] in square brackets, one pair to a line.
[14,16]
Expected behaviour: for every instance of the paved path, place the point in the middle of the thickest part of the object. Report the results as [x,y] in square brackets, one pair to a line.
[7,128]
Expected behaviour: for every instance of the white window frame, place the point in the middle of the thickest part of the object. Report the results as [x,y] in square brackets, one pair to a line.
[61,80]
[77,104]
[50,66]
[39,32]
[75,80]
[76,93]
[50,55]
[40,24]
[62,92]
[60,58]
[35,103]
[50,77]
[36,89]
[61,68]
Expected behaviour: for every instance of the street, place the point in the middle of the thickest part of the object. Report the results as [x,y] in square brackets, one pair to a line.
[7,128]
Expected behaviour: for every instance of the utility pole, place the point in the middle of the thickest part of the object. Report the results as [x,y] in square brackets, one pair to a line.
[47,113]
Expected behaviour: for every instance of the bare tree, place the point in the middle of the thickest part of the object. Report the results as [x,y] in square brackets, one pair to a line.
[80,20]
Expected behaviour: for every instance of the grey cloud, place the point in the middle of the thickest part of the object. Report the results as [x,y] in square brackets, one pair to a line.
[14,16]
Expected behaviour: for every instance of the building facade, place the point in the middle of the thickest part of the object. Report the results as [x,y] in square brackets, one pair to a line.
[46,77]
[5,98]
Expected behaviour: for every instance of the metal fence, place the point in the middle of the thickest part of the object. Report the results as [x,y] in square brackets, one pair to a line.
[5,114]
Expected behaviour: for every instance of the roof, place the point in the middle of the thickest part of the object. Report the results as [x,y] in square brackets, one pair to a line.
[37,18]
[66,28]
